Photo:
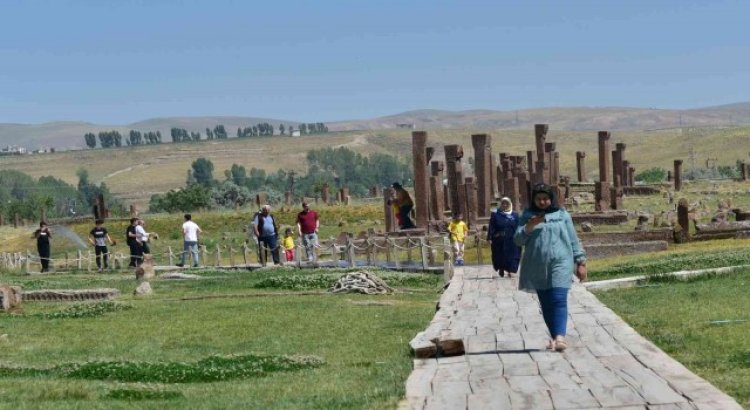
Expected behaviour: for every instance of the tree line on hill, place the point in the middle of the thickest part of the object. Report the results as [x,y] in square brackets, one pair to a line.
[23,195]
[335,167]
[113,139]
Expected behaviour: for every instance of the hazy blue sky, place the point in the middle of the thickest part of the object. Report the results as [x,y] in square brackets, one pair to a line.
[122,61]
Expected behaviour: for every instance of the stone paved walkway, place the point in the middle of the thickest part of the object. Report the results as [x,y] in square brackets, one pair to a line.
[505,365]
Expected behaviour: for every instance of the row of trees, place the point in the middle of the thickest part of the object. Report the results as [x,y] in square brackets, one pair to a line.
[109,139]
[23,195]
[335,167]
[138,138]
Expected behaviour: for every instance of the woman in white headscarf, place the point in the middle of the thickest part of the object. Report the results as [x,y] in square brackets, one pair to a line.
[505,253]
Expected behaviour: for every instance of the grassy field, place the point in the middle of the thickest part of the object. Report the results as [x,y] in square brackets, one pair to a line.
[131,172]
[703,323]
[189,347]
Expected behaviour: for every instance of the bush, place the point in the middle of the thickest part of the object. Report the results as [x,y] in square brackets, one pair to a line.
[652,175]
[186,200]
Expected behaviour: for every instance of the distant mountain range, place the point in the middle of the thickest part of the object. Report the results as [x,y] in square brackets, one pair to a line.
[69,134]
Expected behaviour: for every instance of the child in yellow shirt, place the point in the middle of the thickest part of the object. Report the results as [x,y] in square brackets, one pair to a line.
[289,244]
[458,230]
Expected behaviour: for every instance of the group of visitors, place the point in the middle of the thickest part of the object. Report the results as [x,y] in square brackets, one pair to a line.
[265,232]
[544,231]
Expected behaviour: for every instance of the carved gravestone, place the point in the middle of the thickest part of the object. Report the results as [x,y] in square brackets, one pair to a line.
[421,179]
[677,175]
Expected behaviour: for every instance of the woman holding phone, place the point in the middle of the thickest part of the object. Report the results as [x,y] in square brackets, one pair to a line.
[551,252]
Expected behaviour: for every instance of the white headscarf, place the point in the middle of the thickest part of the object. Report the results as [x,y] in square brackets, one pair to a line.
[506,199]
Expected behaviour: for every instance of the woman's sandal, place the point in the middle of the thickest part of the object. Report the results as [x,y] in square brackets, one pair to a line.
[550,345]
[560,345]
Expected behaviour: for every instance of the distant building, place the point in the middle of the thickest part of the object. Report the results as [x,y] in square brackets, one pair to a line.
[13,150]
[405,125]
[296,133]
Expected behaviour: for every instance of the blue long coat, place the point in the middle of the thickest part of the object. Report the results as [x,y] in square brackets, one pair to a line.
[505,253]
[549,251]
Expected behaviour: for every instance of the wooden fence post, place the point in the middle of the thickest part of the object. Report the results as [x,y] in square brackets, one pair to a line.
[204,255]
[298,249]
[170,255]
[447,260]
[423,251]
[231,256]
[244,252]
[387,250]
[369,245]
[27,265]
[79,259]
[218,255]
[478,244]
[350,250]
[66,260]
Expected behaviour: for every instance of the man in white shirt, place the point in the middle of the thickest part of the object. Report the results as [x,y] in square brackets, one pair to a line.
[141,236]
[190,231]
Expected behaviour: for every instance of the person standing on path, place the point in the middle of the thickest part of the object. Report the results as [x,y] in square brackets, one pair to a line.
[43,235]
[136,252]
[551,251]
[99,237]
[190,231]
[505,253]
[308,224]
[289,245]
[458,230]
[267,231]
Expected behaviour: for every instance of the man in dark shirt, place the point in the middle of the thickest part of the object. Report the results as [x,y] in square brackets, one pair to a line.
[99,238]
[136,252]
[307,226]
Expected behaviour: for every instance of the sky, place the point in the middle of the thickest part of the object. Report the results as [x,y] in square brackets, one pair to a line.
[117,62]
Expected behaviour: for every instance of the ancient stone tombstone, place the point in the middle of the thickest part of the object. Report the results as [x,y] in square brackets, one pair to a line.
[482,144]
[683,220]
[601,196]
[471,202]
[421,181]
[146,270]
[677,175]
[454,171]
[10,297]
[542,167]
[437,194]
[603,138]
[390,216]
[581,165]
[436,199]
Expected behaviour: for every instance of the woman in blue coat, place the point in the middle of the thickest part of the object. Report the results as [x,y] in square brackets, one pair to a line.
[551,253]
[505,253]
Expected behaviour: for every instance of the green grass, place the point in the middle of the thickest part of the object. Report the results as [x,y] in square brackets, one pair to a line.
[363,349]
[677,316]
[690,256]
